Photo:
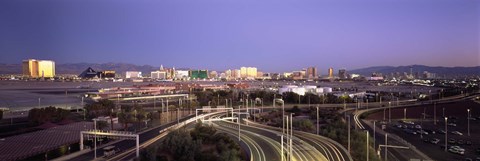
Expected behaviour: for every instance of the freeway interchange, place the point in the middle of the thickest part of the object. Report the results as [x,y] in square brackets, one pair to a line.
[262,143]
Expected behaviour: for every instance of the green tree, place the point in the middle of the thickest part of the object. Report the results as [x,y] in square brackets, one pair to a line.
[181,145]
[203,132]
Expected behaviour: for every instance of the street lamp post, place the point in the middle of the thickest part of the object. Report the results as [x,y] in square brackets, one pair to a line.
[386,145]
[281,142]
[435,113]
[345,108]
[95,138]
[348,133]
[291,135]
[443,109]
[368,158]
[405,114]
[374,127]
[238,120]
[317,122]
[384,114]
[468,121]
[389,112]
[446,132]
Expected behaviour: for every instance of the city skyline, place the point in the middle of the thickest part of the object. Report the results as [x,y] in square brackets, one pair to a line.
[274,36]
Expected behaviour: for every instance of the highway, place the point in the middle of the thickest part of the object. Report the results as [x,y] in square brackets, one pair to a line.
[328,148]
[306,146]
[124,145]
[266,143]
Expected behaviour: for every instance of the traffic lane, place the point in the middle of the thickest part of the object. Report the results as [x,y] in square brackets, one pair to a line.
[127,144]
[122,145]
[256,152]
[330,146]
[298,147]
[269,146]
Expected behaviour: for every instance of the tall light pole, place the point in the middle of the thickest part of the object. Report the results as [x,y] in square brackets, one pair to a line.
[84,112]
[281,142]
[168,114]
[238,120]
[389,112]
[95,139]
[405,114]
[443,109]
[468,121]
[38,102]
[345,108]
[317,122]
[368,147]
[374,127]
[386,145]
[435,113]
[367,103]
[348,133]
[291,135]
[384,114]
[446,132]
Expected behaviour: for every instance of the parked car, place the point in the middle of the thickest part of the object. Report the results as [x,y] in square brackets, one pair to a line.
[440,131]
[451,141]
[409,122]
[452,124]
[457,148]
[457,132]
[460,142]
[430,131]
[455,151]
[422,132]
[408,131]
[434,141]
[418,127]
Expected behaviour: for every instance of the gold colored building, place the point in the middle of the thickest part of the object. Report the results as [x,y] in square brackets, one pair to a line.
[248,72]
[330,73]
[38,68]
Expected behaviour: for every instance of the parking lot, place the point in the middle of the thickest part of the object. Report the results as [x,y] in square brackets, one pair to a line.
[429,137]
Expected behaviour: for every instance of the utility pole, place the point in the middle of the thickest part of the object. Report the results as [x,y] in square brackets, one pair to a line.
[468,120]
[348,133]
[435,113]
[238,120]
[389,112]
[281,142]
[368,147]
[318,129]
[291,136]
[386,145]
[446,132]
[95,139]
[374,134]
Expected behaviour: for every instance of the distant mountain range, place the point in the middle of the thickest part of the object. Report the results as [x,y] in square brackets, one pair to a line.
[121,68]
[440,71]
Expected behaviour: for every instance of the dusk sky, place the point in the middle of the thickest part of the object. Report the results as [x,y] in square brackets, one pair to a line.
[273,35]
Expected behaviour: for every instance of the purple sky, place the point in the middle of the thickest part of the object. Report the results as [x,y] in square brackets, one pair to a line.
[273,35]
